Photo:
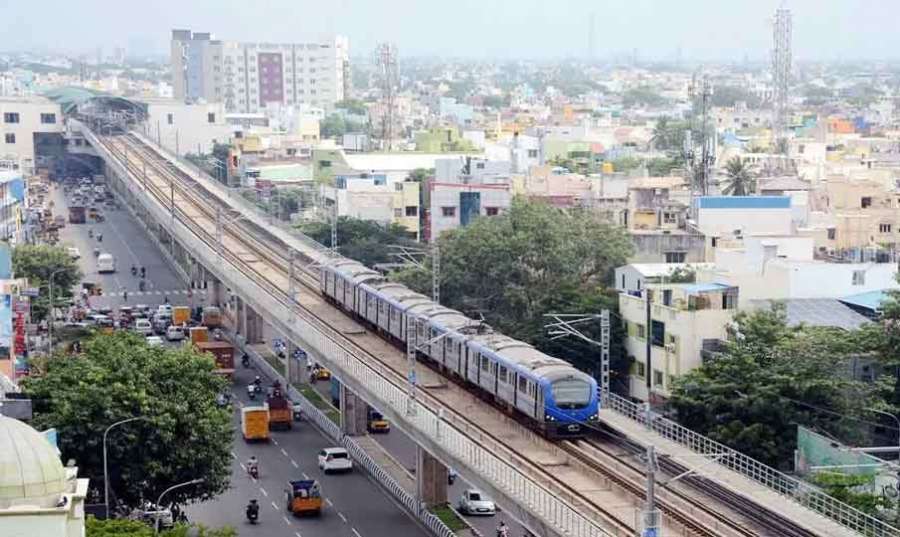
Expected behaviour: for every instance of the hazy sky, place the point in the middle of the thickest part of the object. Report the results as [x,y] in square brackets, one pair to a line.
[703,29]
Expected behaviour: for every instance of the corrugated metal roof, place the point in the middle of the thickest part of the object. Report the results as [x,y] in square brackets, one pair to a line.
[826,312]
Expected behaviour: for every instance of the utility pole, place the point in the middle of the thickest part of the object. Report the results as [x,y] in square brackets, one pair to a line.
[651,516]
[291,287]
[334,223]
[435,273]
[411,409]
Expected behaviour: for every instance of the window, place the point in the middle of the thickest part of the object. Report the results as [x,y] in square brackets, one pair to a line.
[670,218]
[658,378]
[832,233]
[532,153]
[324,163]
[865,202]
[714,242]
[398,213]
[398,187]
[884,228]
[10,117]
[485,363]
[448,211]
[640,330]
[667,297]
[412,211]
[48,119]
[639,369]
[523,384]
[675,257]
[859,277]
[501,375]
[170,119]
[10,138]
[211,117]
[491,211]
[657,333]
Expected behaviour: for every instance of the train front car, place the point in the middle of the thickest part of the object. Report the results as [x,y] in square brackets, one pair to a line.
[571,404]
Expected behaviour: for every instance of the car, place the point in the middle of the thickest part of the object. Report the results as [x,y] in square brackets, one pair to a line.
[335,459]
[474,502]
[154,341]
[323,374]
[161,323]
[73,252]
[174,333]
[165,309]
[143,310]
[143,326]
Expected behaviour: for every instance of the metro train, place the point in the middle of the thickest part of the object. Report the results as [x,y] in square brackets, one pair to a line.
[556,398]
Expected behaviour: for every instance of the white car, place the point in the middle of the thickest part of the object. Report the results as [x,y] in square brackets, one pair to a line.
[474,502]
[174,333]
[143,326]
[154,341]
[73,252]
[335,459]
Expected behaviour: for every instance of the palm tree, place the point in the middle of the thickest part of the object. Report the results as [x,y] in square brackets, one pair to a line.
[661,138]
[739,179]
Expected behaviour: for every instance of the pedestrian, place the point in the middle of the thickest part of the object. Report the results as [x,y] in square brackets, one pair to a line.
[125,295]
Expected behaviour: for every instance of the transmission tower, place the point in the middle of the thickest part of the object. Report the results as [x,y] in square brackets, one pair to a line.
[700,155]
[781,69]
[386,62]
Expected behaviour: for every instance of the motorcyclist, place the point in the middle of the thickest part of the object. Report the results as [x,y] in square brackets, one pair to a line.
[502,529]
[253,464]
[90,233]
[252,511]
[99,237]
[257,381]
[245,360]
[143,272]
[133,270]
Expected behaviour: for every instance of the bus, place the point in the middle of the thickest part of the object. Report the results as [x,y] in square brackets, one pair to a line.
[106,263]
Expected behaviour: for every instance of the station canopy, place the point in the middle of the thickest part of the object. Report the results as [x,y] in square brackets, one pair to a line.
[83,101]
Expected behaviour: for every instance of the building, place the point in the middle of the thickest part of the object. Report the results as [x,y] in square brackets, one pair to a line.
[12,204]
[463,190]
[724,216]
[38,495]
[376,196]
[27,123]
[247,77]
[684,319]
[186,128]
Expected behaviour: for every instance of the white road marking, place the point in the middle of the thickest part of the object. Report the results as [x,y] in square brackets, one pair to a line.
[305,476]
[295,463]
[244,468]
[327,500]
[233,456]
[297,533]
[283,452]
[340,514]
[355,532]
[275,441]
[286,521]
[275,507]
[266,494]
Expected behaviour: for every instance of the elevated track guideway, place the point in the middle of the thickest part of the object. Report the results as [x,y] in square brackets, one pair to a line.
[582,488]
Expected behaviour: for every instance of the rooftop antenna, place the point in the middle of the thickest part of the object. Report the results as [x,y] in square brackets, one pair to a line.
[386,62]
[699,155]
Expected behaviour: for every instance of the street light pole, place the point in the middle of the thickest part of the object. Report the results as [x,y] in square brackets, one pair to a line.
[173,487]
[105,471]
[50,324]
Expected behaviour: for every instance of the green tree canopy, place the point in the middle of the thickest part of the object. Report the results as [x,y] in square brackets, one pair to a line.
[365,241]
[530,260]
[642,96]
[769,378]
[134,528]
[354,106]
[119,376]
[37,263]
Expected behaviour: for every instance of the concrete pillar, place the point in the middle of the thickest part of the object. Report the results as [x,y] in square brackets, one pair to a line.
[240,317]
[296,368]
[217,297]
[431,479]
[253,325]
[354,413]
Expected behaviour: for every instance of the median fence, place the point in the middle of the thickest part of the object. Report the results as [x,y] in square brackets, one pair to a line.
[795,489]
[333,431]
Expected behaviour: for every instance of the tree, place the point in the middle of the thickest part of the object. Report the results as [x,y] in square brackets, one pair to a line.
[846,488]
[134,528]
[119,376]
[365,241]
[333,126]
[661,138]
[642,96]
[770,377]
[530,260]
[731,95]
[37,263]
[419,175]
[739,179]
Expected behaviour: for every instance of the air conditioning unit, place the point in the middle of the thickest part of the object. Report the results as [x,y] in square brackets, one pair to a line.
[670,347]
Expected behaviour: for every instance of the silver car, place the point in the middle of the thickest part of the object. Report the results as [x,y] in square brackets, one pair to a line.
[474,502]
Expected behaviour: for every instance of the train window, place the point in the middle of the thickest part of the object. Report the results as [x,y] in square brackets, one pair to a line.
[448,343]
[502,375]
[484,363]
[523,384]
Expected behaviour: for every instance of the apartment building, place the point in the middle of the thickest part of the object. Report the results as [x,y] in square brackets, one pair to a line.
[24,122]
[248,77]
[684,319]
[463,190]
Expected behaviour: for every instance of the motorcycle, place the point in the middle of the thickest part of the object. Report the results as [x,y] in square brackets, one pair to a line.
[99,237]
[245,360]
[133,270]
[141,285]
[253,512]
[253,470]
[252,390]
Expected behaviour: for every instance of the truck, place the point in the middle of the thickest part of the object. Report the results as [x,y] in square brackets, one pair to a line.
[199,334]
[222,351]
[304,497]
[280,409]
[255,423]
[181,315]
[212,317]
[77,215]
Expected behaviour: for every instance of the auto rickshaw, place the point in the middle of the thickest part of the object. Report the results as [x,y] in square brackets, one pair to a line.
[304,497]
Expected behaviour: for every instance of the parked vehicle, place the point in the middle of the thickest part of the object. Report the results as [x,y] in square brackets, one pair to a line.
[199,334]
[212,317]
[143,326]
[77,214]
[106,263]
[73,252]
[335,459]
[304,497]
[255,423]
[154,341]
[474,502]
[174,333]
[165,309]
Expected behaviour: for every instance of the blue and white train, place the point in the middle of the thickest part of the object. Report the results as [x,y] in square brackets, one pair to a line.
[557,399]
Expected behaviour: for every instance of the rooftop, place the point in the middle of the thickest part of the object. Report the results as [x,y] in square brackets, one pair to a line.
[31,472]
[744,202]
[825,312]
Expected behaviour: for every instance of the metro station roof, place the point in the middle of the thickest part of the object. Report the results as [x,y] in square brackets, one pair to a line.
[70,98]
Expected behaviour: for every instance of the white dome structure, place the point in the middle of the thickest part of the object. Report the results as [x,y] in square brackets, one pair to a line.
[31,473]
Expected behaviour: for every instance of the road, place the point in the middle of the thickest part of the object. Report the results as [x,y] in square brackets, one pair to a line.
[131,245]
[403,449]
[354,505]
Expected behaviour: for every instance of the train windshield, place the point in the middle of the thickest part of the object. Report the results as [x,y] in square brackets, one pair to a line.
[571,393]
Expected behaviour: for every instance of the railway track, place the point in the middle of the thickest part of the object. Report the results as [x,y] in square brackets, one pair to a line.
[268,249]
